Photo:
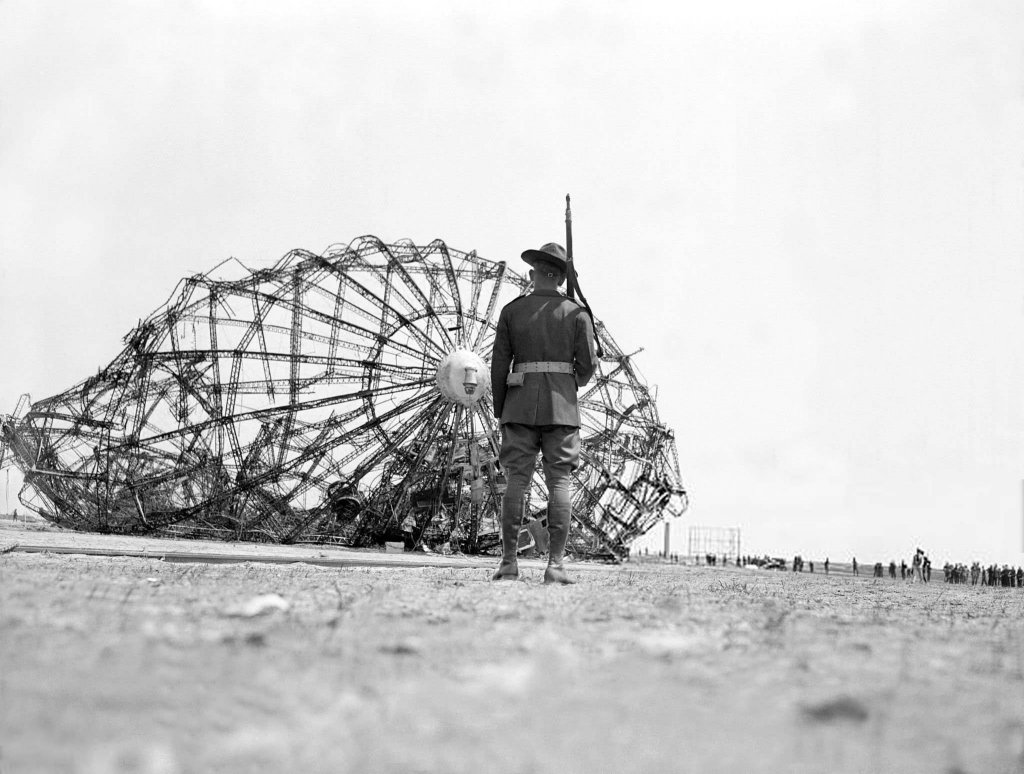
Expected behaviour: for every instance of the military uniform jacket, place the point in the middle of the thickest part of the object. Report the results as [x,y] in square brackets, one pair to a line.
[542,326]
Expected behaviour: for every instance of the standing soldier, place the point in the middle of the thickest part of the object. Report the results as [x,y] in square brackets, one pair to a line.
[543,352]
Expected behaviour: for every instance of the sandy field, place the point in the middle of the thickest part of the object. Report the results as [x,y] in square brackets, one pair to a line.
[128,664]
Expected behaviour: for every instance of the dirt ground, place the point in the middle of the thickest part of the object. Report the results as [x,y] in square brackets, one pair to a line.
[114,664]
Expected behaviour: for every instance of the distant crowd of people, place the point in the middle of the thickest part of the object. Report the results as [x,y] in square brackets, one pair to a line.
[918,570]
[993,575]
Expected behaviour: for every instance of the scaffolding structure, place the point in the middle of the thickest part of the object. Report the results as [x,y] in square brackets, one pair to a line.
[716,541]
[308,402]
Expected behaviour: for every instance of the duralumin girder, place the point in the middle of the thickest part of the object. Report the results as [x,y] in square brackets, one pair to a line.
[318,400]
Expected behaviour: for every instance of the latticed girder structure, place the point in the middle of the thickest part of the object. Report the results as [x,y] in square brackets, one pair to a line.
[718,541]
[303,403]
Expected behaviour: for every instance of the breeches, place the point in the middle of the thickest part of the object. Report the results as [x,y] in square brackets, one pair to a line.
[559,446]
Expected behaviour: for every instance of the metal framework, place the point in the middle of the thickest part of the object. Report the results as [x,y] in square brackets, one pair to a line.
[303,402]
[720,541]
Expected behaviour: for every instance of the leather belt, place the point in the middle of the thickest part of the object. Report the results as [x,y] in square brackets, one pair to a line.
[543,367]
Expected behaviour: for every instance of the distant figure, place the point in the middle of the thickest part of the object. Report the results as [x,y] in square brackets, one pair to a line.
[811,565]
[892,570]
[855,570]
[408,528]
[826,565]
[903,569]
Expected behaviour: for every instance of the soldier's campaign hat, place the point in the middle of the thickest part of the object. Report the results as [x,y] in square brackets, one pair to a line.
[551,253]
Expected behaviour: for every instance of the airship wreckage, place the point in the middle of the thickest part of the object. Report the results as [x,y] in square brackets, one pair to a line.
[324,400]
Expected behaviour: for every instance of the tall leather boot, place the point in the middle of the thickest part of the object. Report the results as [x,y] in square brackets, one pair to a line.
[559,517]
[511,521]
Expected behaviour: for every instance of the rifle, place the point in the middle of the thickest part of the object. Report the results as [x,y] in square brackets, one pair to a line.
[572,284]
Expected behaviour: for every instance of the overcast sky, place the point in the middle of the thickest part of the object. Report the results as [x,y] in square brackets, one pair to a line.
[811,217]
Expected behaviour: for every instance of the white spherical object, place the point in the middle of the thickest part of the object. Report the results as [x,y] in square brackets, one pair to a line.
[463,377]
